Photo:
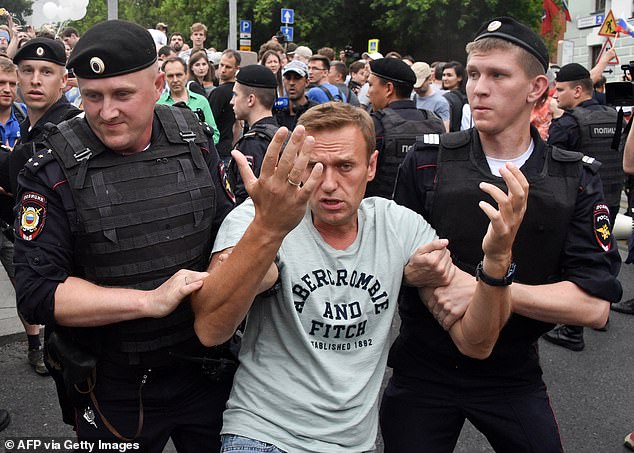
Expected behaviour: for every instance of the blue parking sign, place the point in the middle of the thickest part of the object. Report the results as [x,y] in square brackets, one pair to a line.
[288,32]
[245,26]
[288,16]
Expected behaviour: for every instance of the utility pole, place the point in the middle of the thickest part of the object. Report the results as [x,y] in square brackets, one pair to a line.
[113,9]
[232,42]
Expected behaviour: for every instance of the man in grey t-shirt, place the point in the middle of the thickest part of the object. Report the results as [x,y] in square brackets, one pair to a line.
[426,96]
[317,269]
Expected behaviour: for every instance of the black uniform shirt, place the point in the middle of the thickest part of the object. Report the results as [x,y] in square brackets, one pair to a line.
[285,119]
[60,111]
[219,101]
[564,131]
[253,146]
[583,262]
[47,260]
[405,108]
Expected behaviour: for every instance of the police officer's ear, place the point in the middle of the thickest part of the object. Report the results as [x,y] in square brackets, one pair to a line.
[159,82]
[538,85]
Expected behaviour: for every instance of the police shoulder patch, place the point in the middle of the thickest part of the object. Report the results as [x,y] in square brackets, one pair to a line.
[32,215]
[601,225]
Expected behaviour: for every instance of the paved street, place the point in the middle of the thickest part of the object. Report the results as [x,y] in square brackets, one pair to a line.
[591,391]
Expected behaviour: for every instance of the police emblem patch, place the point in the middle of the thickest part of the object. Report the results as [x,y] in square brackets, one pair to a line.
[601,224]
[32,215]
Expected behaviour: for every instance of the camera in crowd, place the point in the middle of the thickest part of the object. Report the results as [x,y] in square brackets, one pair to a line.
[350,53]
[281,37]
[621,94]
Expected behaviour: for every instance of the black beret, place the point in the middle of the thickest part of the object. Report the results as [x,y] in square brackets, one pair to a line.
[256,76]
[509,29]
[45,49]
[394,70]
[112,48]
[572,72]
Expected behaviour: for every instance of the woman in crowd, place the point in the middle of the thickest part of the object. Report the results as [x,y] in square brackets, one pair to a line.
[271,60]
[201,74]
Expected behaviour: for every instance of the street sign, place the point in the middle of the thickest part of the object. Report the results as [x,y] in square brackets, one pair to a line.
[245,42]
[609,26]
[288,32]
[245,26]
[245,48]
[373,45]
[607,45]
[590,21]
[288,16]
[245,35]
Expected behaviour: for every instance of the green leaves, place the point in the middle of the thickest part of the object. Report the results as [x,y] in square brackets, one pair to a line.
[427,29]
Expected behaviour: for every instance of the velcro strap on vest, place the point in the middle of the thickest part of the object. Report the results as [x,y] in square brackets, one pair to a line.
[188,136]
[105,208]
[195,193]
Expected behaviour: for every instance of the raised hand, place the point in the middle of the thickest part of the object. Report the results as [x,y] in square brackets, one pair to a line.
[506,220]
[279,194]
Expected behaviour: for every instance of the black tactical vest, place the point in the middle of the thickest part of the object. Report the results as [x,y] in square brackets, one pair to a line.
[140,218]
[400,134]
[597,128]
[541,238]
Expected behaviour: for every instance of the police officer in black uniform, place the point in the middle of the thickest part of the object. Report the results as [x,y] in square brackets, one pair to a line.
[397,121]
[116,218]
[253,96]
[588,127]
[32,129]
[41,77]
[564,272]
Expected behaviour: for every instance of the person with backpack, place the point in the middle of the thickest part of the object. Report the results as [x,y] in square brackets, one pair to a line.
[322,91]
[397,121]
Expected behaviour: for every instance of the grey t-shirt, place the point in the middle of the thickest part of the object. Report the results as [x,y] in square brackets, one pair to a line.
[313,355]
[435,102]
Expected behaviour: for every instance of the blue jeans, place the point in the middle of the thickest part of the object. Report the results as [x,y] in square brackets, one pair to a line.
[238,444]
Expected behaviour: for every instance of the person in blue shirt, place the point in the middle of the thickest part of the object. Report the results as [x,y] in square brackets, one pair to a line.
[10,114]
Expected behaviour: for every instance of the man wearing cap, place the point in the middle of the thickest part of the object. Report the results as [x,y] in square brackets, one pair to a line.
[426,97]
[175,71]
[322,91]
[41,79]
[302,53]
[253,96]
[330,262]
[115,222]
[397,121]
[564,272]
[295,74]
[11,114]
[588,127]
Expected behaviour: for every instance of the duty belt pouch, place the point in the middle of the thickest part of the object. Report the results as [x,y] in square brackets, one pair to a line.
[75,362]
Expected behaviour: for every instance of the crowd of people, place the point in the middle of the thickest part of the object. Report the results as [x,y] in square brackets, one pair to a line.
[217,249]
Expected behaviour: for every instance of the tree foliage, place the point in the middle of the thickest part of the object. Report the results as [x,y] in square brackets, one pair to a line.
[19,8]
[427,29]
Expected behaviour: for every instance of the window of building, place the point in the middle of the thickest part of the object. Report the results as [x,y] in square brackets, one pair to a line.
[594,55]
[599,5]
